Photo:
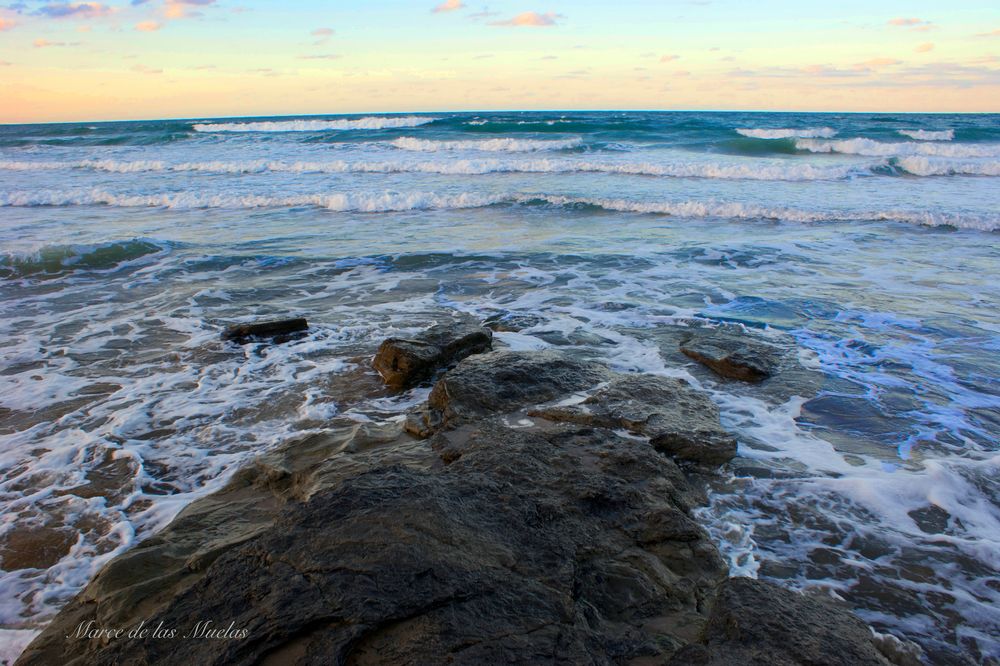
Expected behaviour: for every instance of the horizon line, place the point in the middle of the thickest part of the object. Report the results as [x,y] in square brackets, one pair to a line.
[474,111]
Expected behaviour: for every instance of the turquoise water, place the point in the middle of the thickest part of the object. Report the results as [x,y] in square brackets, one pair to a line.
[871,239]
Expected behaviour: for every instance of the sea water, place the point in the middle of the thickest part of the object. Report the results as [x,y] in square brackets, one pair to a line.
[870,239]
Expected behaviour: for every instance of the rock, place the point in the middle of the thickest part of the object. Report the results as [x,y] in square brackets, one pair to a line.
[734,356]
[560,546]
[406,362]
[680,420]
[753,622]
[278,331]
[559,541]
[512,322]
[500,382]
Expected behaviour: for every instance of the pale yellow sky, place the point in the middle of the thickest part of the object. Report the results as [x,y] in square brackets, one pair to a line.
[188,58]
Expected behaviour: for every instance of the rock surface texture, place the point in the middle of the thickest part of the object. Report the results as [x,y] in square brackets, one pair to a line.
[543,519]
[734,356]
[276,331]
[405,362]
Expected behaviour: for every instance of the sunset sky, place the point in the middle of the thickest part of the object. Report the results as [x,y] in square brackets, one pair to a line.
[124,59]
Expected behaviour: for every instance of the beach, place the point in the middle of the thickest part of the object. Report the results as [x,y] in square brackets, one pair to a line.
[863,245]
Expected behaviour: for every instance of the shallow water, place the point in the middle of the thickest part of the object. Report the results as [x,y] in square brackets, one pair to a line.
[128,247]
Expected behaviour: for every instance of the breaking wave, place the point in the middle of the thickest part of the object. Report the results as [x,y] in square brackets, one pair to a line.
[767,171]
[872,148]
[371,123]
[485,145]
[807,133]
[54,260]
[405,201]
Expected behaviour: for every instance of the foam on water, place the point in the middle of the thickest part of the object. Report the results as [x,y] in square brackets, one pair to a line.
[928,135]
[806,133]
[872,148]
[371,123]
[486,145]
[691,169]
[383,202]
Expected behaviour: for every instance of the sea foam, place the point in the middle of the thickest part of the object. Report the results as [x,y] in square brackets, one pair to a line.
[485,145]
[872,148]
[370,123]
[806,133]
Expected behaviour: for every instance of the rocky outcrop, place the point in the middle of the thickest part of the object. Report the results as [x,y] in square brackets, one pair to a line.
[405,362]
[754,622]
[502,382]
[734,356]
[679,420]
[501,538]
[276,331]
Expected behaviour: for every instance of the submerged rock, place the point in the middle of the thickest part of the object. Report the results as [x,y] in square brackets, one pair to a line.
[754,622]
[734,356]
[680,420]
[277,331]
[406,362]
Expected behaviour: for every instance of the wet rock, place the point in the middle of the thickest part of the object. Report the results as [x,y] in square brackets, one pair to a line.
[734,356]
[276,331]
[558,546]
[753,622]
[500,382]
[512,322]
[555,540]
[680,420]
[406,362]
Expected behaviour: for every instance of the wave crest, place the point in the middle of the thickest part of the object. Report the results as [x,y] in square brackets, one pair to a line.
[928,135]
[485,145]
[405,201]
[697,169]
[55,260]
[370,123]
[872,148]
[806,133]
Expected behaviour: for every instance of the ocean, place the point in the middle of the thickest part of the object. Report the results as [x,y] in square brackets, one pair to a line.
[871,239]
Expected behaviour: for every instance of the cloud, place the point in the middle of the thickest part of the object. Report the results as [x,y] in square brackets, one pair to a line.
[176,9]
[669,58]
[531,20]
[142,69]
[323,56]
[995,33]
[44,43]
[876,63]
[322,32]
[148,26]
[6,24]
[905,22]
[924,48]
[448,6]
[83,10]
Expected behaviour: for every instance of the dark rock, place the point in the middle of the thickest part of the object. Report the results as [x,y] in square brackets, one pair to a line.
[512,322]
[500,382]
[753,622]
[406,362]
[277,331]
[734,356]
[555,541]
[562,546]
[680,420]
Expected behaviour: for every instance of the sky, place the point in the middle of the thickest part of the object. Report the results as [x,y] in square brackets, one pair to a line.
[136,59]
